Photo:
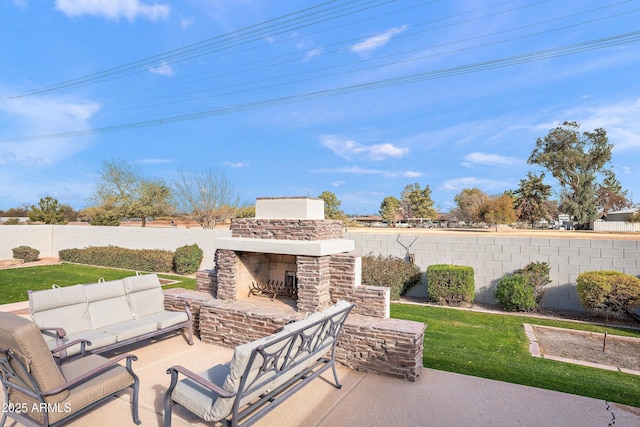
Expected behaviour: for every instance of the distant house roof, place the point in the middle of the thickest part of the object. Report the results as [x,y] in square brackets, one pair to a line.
[630,211]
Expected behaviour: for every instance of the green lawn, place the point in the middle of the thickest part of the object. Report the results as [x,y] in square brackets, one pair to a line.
[495,346]
[15,282]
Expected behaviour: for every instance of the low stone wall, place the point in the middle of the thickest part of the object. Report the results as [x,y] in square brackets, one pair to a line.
[174,301]
[389,347]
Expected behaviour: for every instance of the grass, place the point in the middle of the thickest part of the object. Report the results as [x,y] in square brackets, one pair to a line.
[15,282]
[495,346]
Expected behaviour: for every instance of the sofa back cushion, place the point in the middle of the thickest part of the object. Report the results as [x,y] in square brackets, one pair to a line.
[61,307]
[144,294]
[107,303]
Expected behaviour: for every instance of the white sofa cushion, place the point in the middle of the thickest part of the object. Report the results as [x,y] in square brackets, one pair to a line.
[144,294]
[108,304]
[61,307]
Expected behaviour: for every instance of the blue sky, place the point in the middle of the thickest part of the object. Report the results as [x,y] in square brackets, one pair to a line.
[292,98]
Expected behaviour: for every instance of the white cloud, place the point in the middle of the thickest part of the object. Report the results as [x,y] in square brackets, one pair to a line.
[357,170]
[347,149]
[377,41]
[163,69]
[236,165]
[313,53]
[483,184]
[153,161]
[338,183]
[186,22]
[113,9]
[478,158]
[42,115]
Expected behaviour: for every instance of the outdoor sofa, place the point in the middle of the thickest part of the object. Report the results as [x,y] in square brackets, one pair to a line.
[108,314]
[262,374]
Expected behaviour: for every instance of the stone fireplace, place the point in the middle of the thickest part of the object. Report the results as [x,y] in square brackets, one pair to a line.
[288,240]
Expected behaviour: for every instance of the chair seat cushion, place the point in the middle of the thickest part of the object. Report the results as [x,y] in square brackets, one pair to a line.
[198,399]
[111,381]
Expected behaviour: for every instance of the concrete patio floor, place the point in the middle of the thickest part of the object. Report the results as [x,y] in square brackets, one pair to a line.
[437,398]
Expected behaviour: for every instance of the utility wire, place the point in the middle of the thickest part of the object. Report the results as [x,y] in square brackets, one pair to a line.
[545,54]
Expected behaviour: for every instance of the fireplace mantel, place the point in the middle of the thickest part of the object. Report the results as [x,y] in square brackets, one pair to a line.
[287,247]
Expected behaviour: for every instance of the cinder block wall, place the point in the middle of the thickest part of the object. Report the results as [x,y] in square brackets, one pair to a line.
[494,256]
[490,256]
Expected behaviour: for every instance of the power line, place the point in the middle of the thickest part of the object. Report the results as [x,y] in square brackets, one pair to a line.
[571,49]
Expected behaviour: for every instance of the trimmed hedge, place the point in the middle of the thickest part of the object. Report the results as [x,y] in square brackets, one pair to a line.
[523,290]
[450,284]
[515,293]
[155,260]
[26,253]
[393,272]
[608,291]
[187,259]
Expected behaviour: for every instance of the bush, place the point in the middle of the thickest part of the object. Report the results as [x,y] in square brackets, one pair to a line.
[187,259]
[155,260]
[538,274]
[450,284]
[391,272]
[515,293]
[13,221]
[26,253]
[608,291]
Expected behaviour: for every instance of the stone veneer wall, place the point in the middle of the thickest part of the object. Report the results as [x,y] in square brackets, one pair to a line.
[287,229]
[207,282]
[369,300]
[174,300]
[227,274]
[314,280]
[389,347]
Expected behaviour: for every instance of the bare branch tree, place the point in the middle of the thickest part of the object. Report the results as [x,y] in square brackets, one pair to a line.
[205,196]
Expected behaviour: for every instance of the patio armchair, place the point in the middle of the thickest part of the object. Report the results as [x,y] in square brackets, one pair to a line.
[38,392]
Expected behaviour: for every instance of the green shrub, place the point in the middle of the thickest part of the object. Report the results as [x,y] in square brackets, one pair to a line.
[155,260]
[187,259]
[12,221]
[450,284]
[391,272]
[514,292]
[608,291]
[25,253]
[538,274]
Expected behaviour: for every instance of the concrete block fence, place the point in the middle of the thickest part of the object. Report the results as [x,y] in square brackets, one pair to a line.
[494,256]
[490,256]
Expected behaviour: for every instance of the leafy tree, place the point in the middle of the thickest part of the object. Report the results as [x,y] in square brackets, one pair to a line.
[576,159]
[634,217]
[100,215]
[22,211]
[331,205]
[206,196]
[48,211]
[470,201]
[416,202]
[531,197]
[389,209]
[498,210]
[122,191]
[611,196]
[246,211]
